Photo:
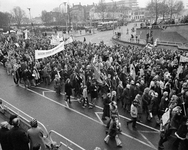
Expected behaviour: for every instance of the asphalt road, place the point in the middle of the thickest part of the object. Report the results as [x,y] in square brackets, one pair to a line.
[107,35]
[81,126]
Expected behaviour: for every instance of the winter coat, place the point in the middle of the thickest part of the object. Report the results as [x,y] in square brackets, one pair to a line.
[4,139]
[19,139]
[68,88]
[154,106]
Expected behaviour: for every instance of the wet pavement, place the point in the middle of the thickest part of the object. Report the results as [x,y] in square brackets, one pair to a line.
[81,126]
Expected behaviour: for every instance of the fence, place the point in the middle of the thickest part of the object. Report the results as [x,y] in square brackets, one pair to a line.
[8,109]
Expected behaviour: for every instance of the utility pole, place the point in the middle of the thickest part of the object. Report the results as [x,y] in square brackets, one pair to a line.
[29,13]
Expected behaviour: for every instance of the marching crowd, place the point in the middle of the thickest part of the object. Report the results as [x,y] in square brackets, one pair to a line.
[145,82]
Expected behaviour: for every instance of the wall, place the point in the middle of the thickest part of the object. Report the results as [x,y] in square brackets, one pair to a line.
[181,29]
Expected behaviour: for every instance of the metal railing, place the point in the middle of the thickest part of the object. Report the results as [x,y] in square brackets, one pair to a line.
[178,44]
[6,106]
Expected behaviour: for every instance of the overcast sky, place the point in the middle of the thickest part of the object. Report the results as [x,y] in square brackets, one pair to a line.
[38,5]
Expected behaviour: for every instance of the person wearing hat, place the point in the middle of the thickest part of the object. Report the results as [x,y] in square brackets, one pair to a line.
[4,136]
[134,113]
[18,136]
[36,136]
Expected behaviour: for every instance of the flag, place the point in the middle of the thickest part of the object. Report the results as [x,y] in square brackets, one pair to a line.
[55,40]
[166,117]
[97,75]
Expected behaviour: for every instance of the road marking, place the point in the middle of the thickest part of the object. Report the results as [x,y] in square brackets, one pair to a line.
[67,139]
[144,143]
[149,131]
[119,115]
[97,114]
[39,122]
[147,140]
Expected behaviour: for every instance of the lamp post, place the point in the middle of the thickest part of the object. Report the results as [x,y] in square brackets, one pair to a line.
[64,3]
[29,13]
[113,16]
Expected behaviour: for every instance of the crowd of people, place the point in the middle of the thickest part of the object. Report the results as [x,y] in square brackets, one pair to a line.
[145,82]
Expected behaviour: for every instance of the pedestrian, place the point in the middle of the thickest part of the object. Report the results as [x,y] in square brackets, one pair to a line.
[134,113]
[18,136]
[127,98]
[68,90]
[36,136]
[113,114]
[94,93]
[4,136]
[57,84]
[85,97]
[106,106]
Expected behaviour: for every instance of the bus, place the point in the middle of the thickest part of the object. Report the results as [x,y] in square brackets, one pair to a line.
[103,26]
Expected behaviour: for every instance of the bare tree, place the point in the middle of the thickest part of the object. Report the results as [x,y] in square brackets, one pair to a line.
[46,16]
[18,15]
[175,6]
[153,8]
[102,8]
[163,9]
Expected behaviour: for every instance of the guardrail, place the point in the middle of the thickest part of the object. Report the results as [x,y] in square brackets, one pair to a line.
[181,46]
[8,109]
[142,42]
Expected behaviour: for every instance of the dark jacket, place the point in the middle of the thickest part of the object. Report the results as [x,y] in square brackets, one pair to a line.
[4,139]
[68,88]
[19,139]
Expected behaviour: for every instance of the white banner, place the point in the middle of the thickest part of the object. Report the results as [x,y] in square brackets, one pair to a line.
[55,40]
[69,40]
[183,59]
[46,53]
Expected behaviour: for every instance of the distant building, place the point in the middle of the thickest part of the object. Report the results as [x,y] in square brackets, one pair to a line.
[186,5]
[126,3]
[37,20]
[137,14]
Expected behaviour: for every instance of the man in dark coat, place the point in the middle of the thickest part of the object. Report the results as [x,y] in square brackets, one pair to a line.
[106,109]
[18,137]
[68,90]
[4,136]
[93,93]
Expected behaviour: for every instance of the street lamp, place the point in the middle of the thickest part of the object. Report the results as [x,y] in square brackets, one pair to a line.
[29,13]
[64,3]
[113,16]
